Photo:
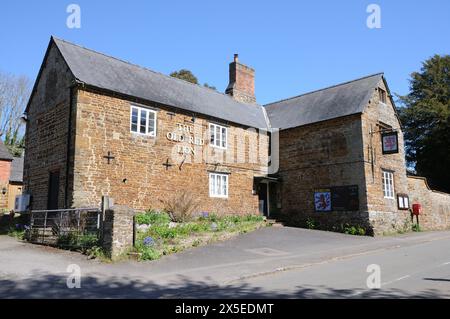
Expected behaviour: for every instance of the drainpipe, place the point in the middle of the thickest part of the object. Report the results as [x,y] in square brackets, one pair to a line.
[69,140]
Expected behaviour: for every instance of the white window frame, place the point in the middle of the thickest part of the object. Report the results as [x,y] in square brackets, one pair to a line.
[388,184]
[218,139]
[147,116]
[216,185]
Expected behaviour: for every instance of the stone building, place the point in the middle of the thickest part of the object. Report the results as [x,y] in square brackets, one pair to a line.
[330,146]
[101,126]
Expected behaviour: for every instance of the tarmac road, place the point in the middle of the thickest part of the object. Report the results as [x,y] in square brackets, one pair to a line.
[269,263]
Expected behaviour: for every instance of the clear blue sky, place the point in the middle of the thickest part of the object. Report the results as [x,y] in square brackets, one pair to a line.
[295,46]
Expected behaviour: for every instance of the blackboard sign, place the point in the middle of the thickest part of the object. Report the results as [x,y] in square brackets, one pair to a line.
[345,198]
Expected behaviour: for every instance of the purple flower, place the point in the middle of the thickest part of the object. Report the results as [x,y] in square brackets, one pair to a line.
[148,241]
[205,214]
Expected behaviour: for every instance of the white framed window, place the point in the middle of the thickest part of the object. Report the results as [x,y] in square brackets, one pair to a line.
[388,184]
[218,135]
[218,185]
[142,121]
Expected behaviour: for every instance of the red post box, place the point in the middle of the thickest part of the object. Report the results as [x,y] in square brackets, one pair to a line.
[416,209]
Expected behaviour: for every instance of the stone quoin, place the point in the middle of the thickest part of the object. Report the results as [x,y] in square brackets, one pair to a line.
[94,121]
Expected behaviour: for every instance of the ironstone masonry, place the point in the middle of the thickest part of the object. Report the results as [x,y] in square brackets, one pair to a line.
[100,126]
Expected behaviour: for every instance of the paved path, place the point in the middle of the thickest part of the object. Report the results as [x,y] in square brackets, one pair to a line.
[271,262]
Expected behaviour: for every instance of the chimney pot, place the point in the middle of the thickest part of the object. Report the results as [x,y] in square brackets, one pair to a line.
[236,57]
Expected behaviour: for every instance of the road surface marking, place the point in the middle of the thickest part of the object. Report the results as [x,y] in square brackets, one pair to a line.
[395,280]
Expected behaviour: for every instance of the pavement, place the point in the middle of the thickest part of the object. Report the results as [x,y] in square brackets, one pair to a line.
[268,263]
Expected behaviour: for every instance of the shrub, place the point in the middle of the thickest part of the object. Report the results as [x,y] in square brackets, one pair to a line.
[254,218]
[87,240]
[181,207]
[148,253]
[77,242]
[97,253]
[354,230]
[310,223]
[213,217]
[17,233]
[164,231]
[152,217]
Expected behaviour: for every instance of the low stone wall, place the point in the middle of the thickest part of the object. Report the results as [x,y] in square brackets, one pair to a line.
[118,230]
[435,205]
[386,223]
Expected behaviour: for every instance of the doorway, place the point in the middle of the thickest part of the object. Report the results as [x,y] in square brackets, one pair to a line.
[53,190]
[263,196]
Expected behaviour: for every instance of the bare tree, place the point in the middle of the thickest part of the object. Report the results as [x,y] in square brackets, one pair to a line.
[14,94]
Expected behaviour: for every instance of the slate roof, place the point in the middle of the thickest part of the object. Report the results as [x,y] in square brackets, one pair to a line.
[4,153]
[105,72]
[340,100]
[16,170]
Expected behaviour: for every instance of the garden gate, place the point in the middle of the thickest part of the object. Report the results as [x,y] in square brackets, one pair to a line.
[68,228]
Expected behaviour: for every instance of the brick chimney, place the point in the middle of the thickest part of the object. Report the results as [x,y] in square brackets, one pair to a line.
[242,82]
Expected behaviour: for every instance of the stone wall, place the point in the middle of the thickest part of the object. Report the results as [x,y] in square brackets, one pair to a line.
[118,230]
[137,177]
[317,156]
[384,214]
[47,129]
[435,205]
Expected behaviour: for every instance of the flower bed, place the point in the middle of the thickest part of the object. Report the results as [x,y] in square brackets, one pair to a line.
[157,235]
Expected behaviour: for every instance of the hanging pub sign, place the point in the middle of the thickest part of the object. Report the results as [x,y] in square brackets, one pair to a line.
[389,142]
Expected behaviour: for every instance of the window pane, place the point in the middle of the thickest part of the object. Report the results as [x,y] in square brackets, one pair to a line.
[217,136]
[224,185]
[151,127]
[211,132]
[217,185]
[134,119]
[143,122]
[151,123]
[388,184]
[224,137]
[211,184]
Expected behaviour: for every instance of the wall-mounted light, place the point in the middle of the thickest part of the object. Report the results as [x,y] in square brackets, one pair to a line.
[24,118]
[4,191]
[124,181]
